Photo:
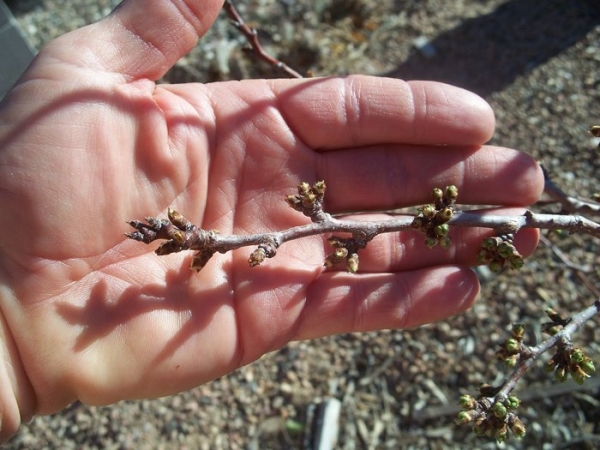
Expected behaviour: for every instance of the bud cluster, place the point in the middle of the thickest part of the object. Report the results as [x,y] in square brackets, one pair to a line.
[499,252]
[511,350]
[309,200]
[567,359]
[344,250]
[432,219]
[491,418]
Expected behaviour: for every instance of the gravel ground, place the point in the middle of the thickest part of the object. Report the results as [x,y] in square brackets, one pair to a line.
[538,64]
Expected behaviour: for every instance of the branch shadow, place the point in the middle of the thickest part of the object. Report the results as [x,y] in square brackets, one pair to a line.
[489,52]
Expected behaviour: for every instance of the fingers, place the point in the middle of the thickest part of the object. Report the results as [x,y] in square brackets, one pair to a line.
[140,39]
[336,113]
[387,177]
[342,303]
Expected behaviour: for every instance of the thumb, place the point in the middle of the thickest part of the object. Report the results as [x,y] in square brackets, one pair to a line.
[140,38]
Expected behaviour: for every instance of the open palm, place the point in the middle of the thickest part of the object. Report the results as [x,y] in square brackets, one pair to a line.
[88,141]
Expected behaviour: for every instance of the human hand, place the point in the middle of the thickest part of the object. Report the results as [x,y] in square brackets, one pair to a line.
[88,141]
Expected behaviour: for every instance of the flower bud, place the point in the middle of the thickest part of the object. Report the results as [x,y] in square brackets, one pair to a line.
[442,230]
[437,193]
[506,249]
[512,345]
[428,211]
[352,263]
[499,410]
[451,193]
[517,427]
[445,214]
[467,402]
[577,355]
[465,417]
[512,402]
[588,366]
[518,331]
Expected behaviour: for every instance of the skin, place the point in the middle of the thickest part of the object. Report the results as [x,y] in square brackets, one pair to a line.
[88,141]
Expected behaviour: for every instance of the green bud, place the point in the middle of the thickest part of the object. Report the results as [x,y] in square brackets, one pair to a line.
[442,230]
[467,402]
[577,355]
[303,188]
[512,402]
[588,366]
[506,249]
[437,193]
[499,410]
[428,211]
[451,192]
[465,417]
[512,345]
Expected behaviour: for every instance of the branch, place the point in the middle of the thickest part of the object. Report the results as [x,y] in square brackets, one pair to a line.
[252,37]
[434,220]
[568,203]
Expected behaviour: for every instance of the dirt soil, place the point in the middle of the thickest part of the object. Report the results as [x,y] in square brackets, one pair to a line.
[538,64]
